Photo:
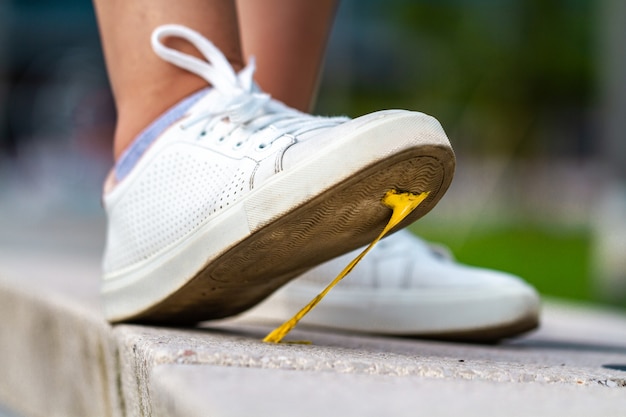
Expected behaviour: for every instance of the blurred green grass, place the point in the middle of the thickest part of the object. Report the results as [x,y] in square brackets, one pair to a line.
[555,260]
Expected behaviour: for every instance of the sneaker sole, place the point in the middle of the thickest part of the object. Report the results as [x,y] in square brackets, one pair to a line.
[287,225]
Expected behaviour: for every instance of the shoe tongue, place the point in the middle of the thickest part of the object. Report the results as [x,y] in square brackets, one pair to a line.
[403,239]
[420,249]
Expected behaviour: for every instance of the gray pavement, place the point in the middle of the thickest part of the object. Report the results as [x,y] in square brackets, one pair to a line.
[60,358]
[4,412]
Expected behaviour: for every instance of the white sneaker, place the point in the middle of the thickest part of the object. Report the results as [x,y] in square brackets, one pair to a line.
[406,287]
[242,194]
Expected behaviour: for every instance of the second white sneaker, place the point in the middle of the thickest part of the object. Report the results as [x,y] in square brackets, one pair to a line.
[238,194]
[405,286]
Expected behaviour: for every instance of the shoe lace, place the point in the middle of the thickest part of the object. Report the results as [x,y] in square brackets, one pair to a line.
[246,107]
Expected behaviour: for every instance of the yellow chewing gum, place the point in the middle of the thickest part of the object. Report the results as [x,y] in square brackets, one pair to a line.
[402,204]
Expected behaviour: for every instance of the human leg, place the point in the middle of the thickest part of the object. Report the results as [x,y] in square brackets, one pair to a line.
[144,86]
[288,39]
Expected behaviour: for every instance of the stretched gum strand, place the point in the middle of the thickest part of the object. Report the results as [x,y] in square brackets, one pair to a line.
[402,204]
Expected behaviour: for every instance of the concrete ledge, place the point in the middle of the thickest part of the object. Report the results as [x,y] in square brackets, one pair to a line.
[229,392]
[58,357]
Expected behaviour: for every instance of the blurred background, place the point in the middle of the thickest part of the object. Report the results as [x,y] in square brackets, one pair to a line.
[532,94]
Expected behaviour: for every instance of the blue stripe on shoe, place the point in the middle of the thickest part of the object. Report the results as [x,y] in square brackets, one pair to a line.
[132,154]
